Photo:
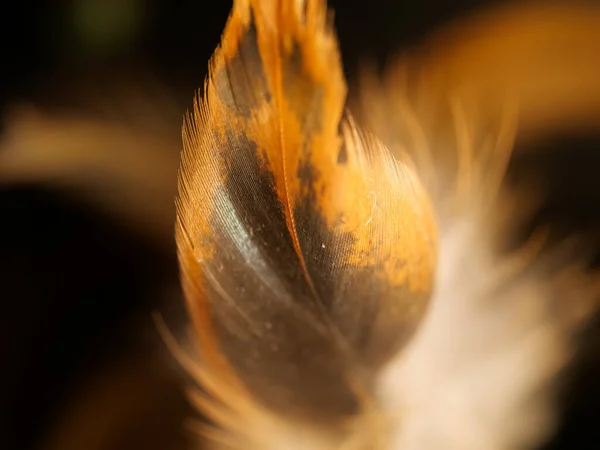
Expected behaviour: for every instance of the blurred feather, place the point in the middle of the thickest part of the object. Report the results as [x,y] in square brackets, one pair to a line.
[543,53]
[482,369]
[121,156]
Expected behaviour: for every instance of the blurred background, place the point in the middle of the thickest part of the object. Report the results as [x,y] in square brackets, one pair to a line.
[104,83]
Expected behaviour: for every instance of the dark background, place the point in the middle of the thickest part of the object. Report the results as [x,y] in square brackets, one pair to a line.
[72,281]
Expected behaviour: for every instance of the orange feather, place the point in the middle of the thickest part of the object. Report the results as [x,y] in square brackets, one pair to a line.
[321,294]
[307,250]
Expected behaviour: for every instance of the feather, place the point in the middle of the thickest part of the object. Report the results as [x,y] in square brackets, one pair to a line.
[351,292]
[306,249]
[542,53]
[117,158]
[482,369]
[308,252]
